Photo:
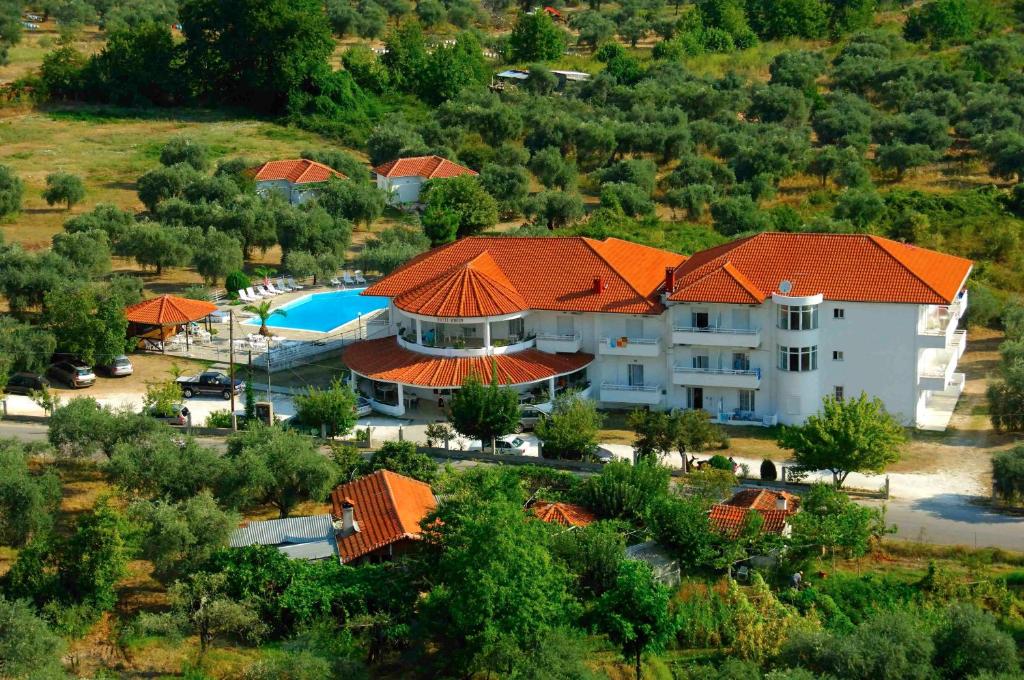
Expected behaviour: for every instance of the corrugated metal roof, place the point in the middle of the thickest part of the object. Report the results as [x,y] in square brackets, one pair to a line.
[315,550]
[291,530]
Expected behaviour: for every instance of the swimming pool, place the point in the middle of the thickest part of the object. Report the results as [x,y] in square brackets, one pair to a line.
[324,312]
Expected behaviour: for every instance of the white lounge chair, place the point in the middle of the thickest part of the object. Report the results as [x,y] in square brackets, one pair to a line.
[282,286]
[253,295]
[295,286]
[273,289]
[243,296]
[262,290]
[337,283]
[360,279]
[347,278]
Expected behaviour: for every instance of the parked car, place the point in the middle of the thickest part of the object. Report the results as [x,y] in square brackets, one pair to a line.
[210,382]
[178,414]
[119,367]
[515,446]
[26,383]
[363,407]
[529,416]
[74,375]
[603,456]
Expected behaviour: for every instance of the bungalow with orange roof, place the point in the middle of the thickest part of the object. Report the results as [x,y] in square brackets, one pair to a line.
[402,179]
[756,331]
[379,516]
[294,180]
[566,514]
[775,508]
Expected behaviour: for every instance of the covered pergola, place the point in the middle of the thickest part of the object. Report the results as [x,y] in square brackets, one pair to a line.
[157,319]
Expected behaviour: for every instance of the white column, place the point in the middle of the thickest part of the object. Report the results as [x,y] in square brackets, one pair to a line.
[352,379]
[401,399]
[487,335]
[551,387]
[419,332]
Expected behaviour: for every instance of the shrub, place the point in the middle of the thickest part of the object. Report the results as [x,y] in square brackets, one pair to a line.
[720,462]
[969,642]
[768,471]
[220,418]
[236,281]
[1008,474]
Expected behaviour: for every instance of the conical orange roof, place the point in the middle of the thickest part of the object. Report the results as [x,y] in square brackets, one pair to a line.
[168,310]
[474,289]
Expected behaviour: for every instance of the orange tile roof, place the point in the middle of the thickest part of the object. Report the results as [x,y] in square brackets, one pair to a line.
[168,310]
[729,519]
[555,273]
[427,167]
[566,514]
[384,359]
[764,499]
[388,507]
[846,267]
[297,171]
[477,288]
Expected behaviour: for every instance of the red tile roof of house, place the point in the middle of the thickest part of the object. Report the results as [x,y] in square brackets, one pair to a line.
[477,288]
[427,167]
[566,514]
[388,508]
[386,360]
[555,273]
[729,519]
[845,267]
[297,171]
[168,310]
[764,499]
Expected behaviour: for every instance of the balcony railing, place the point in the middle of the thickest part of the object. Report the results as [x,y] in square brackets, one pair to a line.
[715,329]
[716,336]
[742,378]
[630,388]
[560,337]
[630,346]
[719,371]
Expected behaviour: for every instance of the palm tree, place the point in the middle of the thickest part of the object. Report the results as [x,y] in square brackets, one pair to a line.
[264,273]
[262,310]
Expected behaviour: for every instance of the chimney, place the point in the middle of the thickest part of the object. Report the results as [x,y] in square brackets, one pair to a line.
[599,285]
[670,279]
[781,503]
[348,514]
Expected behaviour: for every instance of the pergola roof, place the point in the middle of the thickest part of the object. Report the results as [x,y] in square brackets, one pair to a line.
[168,310]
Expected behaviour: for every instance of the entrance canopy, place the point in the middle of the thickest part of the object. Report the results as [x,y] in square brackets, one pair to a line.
[168,310]
[387,361]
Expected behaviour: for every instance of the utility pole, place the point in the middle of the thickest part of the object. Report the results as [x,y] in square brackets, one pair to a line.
[231,365]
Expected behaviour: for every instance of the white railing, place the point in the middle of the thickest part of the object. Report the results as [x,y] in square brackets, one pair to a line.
[682,368]
[633,341]
[715,329]
[465,351]
[560,337]
[630,388]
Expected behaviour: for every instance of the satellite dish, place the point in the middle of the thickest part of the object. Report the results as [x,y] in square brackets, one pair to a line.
[785,285]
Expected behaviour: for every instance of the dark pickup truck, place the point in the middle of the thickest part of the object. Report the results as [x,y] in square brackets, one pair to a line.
[210,382]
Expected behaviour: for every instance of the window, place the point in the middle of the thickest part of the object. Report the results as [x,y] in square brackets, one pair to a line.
[636,375]
[798,317]
[740,361]
[515,327]
[699,319]
[837,356]
[838,313]
[798,359]
[747,400]
[838,392]
[701,361]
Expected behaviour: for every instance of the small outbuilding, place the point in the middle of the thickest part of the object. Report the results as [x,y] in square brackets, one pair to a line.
[665,567]
[300,538]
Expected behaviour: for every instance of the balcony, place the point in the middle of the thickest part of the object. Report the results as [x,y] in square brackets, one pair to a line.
[553,343]
[936,371]
[937,329]
[959,343]
[748,379]
[631,394]
[709,336]
[457,347]
[630,347]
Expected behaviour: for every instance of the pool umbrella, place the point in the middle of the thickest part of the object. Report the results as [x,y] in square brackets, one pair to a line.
[168,310]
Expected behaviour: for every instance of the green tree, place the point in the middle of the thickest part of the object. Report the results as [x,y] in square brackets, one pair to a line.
[554,208]
[829,521]
[1008,474]
[862,207]
[165,182]
[484,412]
[278,467]
[11,190]
[592,554]
[572,429]
[509,185]
[23,347]
[900,157]
[10,27]
[88,251]
[969,642]
[139,64]
[450,69]
[96,557]
[333,408]
[28,648]
[496,592]
[352,200]
[624,491]
[553,169]
[682,525]
[179,538]
[87,322]
[27,501]
[63,187]
[201,604]
[635,613]
[184,150]
[218,255]
[157,466]
[943,22]
[403,458]
[225,51]
[456,207]
[431,13]
[535,37]
[852,435]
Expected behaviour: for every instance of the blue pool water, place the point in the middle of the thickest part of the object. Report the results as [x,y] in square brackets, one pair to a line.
[324,312]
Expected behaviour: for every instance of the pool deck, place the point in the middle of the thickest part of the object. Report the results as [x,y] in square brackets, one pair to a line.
[314,343]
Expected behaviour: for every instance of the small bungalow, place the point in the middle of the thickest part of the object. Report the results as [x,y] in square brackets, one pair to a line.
[665,567]
[775,508]
[300,538]
[402,179]
[294,180]
[515,77]
[566,514]
[378,517]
